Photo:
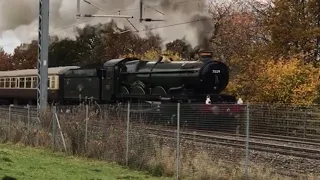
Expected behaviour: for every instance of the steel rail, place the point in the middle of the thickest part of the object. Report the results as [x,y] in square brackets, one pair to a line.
[240,143]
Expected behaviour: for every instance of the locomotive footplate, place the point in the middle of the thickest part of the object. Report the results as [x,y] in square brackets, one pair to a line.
[215,98]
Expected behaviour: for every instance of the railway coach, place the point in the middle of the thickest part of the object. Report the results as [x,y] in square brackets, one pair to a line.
[20,86]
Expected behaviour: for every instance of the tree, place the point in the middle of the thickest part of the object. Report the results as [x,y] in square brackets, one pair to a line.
[25,56]
[65,52]
[180,46]
[100,43]
[5,61]
[153,55]
[293,28]
[277,81]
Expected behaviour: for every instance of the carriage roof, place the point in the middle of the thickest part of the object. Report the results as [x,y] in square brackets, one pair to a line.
[34,72]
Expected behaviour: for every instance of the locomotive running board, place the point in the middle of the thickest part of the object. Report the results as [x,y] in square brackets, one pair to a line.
[176,98]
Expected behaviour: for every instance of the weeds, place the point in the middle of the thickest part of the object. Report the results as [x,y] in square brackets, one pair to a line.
[106,140]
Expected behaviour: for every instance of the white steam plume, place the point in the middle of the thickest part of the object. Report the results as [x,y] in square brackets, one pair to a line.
[21,16]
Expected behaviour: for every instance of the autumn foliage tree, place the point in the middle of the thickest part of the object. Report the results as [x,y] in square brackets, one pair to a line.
[292,27]
[5,61]
[181,47]
[278,81]
[101,42]
[64,52]
[154,55]
[25,56]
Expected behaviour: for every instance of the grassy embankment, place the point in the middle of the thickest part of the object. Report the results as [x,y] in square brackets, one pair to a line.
[27,163]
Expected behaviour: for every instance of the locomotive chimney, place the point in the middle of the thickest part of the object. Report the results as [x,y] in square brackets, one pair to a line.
[205,54]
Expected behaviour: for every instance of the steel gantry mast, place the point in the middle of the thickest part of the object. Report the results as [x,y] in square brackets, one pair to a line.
[43,46]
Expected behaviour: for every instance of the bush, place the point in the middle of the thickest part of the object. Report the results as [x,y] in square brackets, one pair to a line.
[276,81]
[153,55]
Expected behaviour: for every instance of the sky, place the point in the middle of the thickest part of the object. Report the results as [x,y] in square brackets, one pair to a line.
[9,39]
[23,20]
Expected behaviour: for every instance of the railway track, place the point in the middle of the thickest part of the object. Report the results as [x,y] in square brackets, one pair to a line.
[276,146]
[285,145]
[253,136]
[269,137]
[19,110]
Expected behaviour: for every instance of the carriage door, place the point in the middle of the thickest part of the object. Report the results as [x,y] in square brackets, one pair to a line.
[107,84]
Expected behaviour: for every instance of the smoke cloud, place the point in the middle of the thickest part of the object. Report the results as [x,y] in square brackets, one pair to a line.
[21,17]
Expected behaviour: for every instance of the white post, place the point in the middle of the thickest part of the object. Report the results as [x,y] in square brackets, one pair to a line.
[247,143]
[61,134]
[178,141]
[127,138]
[86,133]
[28,106]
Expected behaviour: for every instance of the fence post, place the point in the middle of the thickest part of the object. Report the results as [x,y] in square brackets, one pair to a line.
[247,142]
[61,134]
[305,124]
[54,126]
[127,133]
[28,106]
[86,132]
[178,141]
[9,130]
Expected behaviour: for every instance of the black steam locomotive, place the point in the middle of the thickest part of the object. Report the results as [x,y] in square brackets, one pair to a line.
[120,80]
[164,81]
[132,79]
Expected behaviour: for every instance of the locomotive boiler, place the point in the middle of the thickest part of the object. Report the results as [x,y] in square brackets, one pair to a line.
[179,80]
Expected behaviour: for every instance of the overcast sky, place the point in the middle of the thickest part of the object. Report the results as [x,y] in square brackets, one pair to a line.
[9,41]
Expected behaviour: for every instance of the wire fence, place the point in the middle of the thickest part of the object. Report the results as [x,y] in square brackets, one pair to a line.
[183,141]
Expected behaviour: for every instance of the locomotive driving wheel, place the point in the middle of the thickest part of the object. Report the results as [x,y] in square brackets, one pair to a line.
[159,91]
[138,88]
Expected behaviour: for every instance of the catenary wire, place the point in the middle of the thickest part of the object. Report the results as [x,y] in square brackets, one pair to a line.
[123,10]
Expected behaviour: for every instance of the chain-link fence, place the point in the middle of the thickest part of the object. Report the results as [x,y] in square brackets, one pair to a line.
[183,141]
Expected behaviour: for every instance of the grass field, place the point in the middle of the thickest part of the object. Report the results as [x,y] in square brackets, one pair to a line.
[27,163]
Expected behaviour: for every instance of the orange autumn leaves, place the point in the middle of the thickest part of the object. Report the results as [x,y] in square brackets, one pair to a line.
[282,81]
[153,55]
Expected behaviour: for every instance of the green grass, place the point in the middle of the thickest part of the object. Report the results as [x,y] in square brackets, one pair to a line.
[30,163]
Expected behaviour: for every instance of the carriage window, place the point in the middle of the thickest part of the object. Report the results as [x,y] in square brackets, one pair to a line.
[49,82]
[28,82]
[21,83]
[13,82]
[53,82]
[2,83]
[7,82]
[34,82]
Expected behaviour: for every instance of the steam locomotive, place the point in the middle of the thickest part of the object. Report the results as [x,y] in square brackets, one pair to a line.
[132,79]
[121,80]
